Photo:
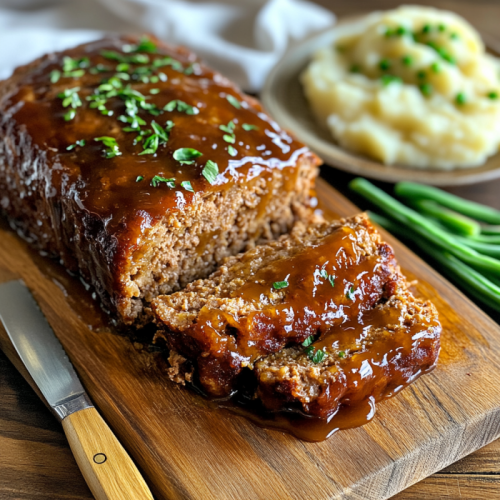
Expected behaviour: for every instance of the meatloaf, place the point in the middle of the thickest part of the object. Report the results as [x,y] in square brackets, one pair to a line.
[142,169]
[320,317]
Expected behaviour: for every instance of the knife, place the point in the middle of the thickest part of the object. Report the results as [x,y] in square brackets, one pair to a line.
[105,465]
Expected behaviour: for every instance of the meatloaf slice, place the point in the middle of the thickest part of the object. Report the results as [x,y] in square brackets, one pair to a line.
[275,296]
[372,356]
[136,165]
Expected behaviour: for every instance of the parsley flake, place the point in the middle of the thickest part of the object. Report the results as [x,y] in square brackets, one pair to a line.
[308,341]
[187,186]
[186,155]
[111,145]
[341,354]
[154,91]
[182,107]
[232,151]
[145,45]
[158,179]
[139,178]
[323,274]
[350,293]
[331,279]
[210,171]
[388,79]
[317,357]
[460,98]
[278,285]
[248,127]
[54,76]
[80,143]
[492,95]
[229,138]
[232,100]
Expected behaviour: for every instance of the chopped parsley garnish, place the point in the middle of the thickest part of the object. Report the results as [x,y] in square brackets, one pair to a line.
[158,137]
[441,27]
[71,98]
[492,95]
[248,127]
[145,45]
[187,186]
[232,151]
[158,179]
[182,107]
[99,68]
[229,128]
[323,274]
[233,101]
[318,356]
[278,285]
[74,67]
[442,52]
[384,64]
[229,138]
[55,75]
[80,143]
[460,98]
[435,67]
[131,59]
[210,171]
[341,354]
[313,355]
[154,91]
[192,68]
[139,178]
[355,68]
[407,60]
[186,155]
[426,89]
[426,28]
[308,341]
[388,79]
[421,75]
[331,279]
[454,36]
[111,145]
[350,293]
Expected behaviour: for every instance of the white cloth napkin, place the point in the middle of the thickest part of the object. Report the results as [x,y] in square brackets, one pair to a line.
[241,38]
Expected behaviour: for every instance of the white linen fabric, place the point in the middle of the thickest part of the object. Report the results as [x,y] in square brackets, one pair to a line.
[242,39]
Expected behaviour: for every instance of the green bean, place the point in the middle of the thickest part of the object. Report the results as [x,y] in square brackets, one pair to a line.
[487,238]
[456,222]
[484,248]
[490,230]
[485,290]
[470,208]
[424,227]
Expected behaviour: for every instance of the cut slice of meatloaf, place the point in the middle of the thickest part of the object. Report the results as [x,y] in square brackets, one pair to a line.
[370,356]
[141,168]
[276,296]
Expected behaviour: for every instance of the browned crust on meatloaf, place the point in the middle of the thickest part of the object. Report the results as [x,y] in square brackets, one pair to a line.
[128,239]
[240,337]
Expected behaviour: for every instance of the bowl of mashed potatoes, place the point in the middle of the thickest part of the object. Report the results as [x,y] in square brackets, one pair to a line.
[406,94]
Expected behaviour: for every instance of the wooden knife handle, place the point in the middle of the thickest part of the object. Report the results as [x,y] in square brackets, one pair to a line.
[105,465]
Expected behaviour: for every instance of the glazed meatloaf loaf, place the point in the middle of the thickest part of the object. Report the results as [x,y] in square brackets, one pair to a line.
[320,317]
[142,169]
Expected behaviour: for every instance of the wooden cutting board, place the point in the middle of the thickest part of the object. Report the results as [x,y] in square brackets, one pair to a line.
[189,449]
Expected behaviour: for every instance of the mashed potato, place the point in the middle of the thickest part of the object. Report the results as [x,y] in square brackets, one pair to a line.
[411,86]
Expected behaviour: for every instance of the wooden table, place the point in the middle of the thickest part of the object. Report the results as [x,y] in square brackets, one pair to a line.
[35,460]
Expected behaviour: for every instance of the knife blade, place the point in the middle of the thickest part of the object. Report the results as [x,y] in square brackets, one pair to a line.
[106,466]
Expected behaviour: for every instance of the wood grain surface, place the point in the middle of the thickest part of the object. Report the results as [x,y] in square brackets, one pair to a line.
[31,440]
[188,449]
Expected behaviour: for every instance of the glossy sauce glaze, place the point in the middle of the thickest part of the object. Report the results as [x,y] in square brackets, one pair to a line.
[143,77]
[324,284]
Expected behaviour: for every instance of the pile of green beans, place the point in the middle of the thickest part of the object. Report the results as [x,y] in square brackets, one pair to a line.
[462,236]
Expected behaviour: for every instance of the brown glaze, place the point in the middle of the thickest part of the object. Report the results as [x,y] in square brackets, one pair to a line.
[90,210]
[108,187]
